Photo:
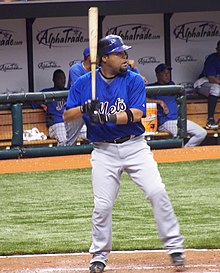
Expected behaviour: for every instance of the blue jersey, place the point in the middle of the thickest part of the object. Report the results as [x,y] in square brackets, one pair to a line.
[171,104]
[126,90]
[211,66]
[55,109]
[75,72]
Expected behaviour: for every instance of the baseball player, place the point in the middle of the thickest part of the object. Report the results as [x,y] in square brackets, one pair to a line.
[208,85]
[114,127]
[168,112]
[54,109]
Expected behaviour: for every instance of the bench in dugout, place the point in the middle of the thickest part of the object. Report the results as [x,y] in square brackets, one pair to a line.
[31,118]
[15,119]
[197,111]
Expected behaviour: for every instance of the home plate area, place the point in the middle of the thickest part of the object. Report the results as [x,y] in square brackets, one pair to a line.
[202,261]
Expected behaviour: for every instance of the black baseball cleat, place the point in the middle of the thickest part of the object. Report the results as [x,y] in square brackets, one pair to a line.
[177,259]
[97,267]
[211,125]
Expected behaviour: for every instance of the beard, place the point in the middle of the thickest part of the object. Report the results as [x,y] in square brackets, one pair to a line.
[123,69]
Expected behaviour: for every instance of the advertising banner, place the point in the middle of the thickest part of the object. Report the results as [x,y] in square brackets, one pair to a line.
[193,37]
[57,44]
[13,56]
[145,33]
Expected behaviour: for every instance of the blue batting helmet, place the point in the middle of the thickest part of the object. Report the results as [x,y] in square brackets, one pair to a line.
[111,44]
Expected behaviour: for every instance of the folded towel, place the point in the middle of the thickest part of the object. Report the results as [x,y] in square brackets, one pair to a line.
[33,134]
[200,82]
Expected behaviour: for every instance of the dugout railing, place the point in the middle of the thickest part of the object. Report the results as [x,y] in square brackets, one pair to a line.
[18,102]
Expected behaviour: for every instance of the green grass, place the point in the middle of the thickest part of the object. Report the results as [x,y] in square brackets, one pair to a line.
[49,212]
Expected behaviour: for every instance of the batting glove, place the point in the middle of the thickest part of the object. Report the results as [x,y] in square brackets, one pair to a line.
[97,118]
[90,106]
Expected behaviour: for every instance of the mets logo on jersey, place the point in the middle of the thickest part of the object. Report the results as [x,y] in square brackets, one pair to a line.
[118,107]
[60,105]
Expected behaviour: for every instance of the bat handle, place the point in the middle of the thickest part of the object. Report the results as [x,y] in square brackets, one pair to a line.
[93,70]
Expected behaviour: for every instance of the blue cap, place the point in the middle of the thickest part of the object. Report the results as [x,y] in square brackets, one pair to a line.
[86,52]
[111,44]
[162,67]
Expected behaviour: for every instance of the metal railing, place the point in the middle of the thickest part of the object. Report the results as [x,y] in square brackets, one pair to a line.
[16,102]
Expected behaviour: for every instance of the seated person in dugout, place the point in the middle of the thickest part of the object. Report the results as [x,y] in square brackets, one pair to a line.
[54,109]
[167,110]
[208,85]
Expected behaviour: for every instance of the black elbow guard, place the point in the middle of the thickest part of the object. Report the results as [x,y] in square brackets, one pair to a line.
[129,116]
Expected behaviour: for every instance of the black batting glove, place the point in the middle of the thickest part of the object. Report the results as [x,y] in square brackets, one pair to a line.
[97,118]
[90,106]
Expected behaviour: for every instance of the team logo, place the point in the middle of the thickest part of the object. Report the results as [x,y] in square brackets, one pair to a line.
[62,36]
[118,107]
[198,30]
[134,32]
[60,105]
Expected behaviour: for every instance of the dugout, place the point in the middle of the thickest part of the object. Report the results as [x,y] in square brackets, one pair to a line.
[15,118]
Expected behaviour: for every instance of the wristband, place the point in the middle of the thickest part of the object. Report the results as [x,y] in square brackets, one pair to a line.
[129,116]
[81,109]
[111,118]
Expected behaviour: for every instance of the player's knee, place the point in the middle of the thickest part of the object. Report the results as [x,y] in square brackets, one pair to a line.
[103,205]
[202,134]
[156,191]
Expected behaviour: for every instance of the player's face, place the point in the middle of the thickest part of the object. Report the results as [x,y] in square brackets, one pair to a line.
[164,76]
[118,62]
[60,81]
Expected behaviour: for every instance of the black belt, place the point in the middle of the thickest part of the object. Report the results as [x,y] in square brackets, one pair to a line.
[121,139]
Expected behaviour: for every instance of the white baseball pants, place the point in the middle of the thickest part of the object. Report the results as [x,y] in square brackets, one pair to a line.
[108,162]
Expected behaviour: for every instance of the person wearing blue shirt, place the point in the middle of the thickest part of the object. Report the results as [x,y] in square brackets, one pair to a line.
[114,127]
[80,68]
[167,110]
[208,85]
[54,110]
[77,129]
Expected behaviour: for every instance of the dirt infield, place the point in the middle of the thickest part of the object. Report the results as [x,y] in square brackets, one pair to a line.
[83,161]
[202,261]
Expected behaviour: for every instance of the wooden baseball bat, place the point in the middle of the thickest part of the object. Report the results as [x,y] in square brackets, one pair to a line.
[93,44]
